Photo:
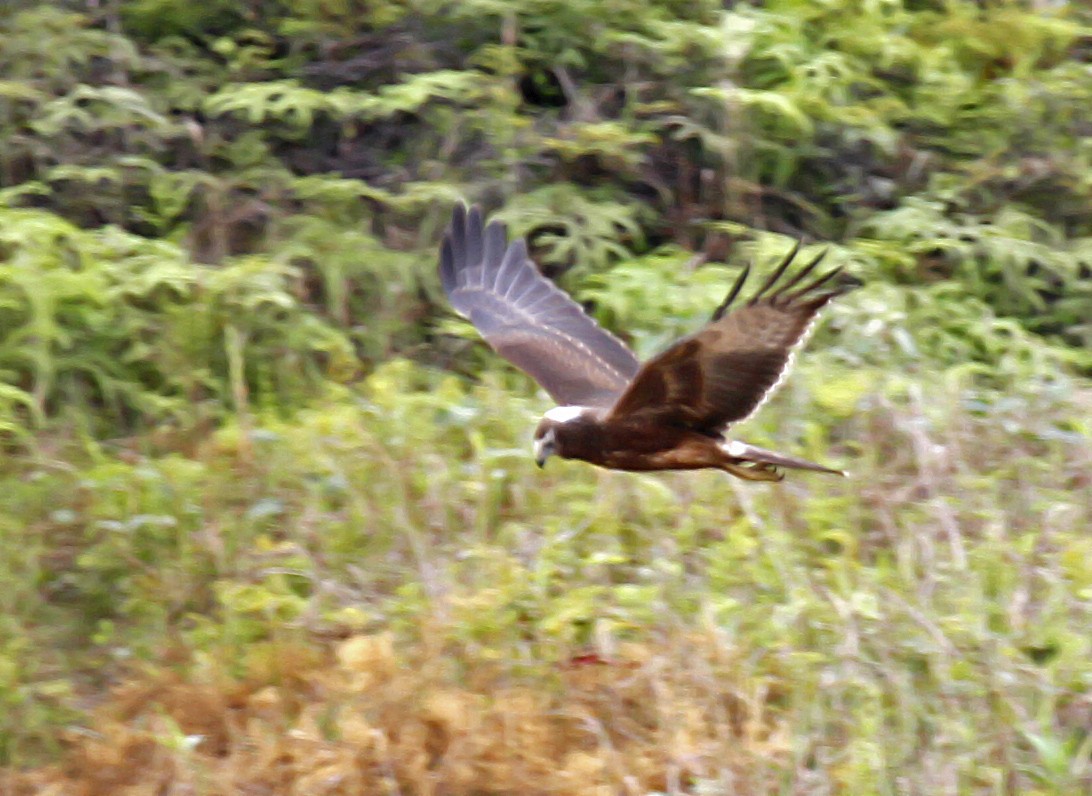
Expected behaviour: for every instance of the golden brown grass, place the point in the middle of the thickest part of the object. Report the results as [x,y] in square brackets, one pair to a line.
[363,716]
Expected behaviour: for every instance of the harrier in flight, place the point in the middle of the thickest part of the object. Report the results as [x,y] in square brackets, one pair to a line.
[670,413]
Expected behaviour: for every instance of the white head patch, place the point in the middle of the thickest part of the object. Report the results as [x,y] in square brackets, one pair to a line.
[563,414]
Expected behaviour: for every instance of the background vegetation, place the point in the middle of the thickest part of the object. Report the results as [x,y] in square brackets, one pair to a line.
[268,518]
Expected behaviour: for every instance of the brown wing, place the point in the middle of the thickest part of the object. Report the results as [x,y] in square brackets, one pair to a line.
[723,373]
[526,318]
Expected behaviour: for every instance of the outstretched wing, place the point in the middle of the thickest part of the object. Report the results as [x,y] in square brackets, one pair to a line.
[727,370]
[526,318]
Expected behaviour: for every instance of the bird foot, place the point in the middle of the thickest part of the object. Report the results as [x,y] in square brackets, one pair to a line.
[754,471]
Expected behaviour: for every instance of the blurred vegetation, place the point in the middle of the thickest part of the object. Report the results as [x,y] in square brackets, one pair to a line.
[267,512]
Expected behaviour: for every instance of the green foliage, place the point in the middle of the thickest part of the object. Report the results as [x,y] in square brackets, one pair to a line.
[154,19]
[112,324]
[297,106]
[574,227]
[1018,264]
[54,51]
[944,140]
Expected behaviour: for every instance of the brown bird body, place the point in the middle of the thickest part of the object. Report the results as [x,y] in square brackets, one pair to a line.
[672,412]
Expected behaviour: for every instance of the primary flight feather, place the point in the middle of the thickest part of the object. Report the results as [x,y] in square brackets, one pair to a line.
[668,414]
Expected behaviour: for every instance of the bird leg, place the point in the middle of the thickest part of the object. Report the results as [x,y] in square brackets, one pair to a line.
[753,471]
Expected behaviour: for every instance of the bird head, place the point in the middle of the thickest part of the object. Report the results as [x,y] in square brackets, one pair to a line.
[550,430]
[545,442]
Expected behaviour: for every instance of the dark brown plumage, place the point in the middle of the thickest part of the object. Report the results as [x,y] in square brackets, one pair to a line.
[670,413]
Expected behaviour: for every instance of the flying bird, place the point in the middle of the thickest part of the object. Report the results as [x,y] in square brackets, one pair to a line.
[672,412]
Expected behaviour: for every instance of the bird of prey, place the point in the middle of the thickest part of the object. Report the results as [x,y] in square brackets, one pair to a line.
[670,413]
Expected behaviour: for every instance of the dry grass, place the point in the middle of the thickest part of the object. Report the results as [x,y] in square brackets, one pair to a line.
[366,717]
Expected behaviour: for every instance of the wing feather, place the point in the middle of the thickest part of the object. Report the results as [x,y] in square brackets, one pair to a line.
[725,372]
[526,318]
[514,258]
[472,237]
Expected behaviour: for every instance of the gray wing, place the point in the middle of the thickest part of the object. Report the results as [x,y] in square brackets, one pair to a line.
[526,318]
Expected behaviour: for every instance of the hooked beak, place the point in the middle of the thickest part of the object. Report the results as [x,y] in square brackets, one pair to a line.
[544,449]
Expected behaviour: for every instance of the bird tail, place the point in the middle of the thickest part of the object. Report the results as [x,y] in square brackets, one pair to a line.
[748,452]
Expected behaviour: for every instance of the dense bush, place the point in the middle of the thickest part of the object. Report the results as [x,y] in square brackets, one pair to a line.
[308,155]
